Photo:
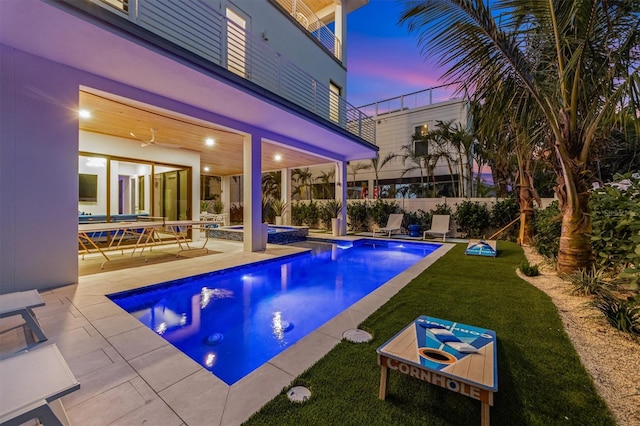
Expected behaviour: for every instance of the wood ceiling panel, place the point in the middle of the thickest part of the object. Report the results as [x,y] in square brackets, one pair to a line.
[225,158]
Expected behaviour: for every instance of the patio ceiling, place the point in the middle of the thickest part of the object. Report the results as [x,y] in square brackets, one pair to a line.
[117,118]
[127,66]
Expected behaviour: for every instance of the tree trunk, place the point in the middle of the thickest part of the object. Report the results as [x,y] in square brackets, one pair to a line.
[575,245]
[525,236]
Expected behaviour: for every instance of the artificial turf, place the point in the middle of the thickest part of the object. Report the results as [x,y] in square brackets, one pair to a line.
[540,378]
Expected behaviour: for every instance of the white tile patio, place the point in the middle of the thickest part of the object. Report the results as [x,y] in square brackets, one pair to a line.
[130,375]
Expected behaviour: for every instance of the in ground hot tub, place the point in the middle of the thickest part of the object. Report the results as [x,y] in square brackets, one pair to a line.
[275,234]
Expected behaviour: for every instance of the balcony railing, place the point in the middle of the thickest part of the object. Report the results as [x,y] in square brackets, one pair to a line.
[299,10]
[198,27]
[413,100]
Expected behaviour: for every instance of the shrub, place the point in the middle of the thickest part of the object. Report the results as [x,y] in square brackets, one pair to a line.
[358,214]
[529,270]
[380,211]
[547,224]
[311,214]
[472,218]
[503,213]
[615,220]
[590,282]
[624,315]
[419,217]
[441,209]
[297,214]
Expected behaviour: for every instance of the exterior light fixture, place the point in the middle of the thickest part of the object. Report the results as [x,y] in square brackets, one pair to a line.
[277,157]
[209,142]
[84,113]
[206,169]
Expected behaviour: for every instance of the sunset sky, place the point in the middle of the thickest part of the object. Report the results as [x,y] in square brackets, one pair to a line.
[383,59]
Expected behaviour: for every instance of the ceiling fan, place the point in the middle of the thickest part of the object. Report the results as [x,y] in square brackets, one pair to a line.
[152,141]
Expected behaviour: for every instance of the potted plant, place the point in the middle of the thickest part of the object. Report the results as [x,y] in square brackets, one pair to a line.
[278,207]
[334,207]
[218,207]
[204,206]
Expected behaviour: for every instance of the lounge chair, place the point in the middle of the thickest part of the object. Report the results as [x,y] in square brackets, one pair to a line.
[33,383]
[439,226]
[21,303]
[393,224]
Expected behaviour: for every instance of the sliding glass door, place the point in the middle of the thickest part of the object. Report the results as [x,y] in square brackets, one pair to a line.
[115,189]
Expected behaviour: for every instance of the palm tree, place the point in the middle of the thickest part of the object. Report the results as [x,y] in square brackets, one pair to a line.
[354,168]
[462,141]
[326,179]
[271,185]
[425,164]
[578,63]
[304,179]
[377,165]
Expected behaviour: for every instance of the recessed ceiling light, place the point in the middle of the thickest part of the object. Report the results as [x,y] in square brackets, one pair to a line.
[206,169]
[210,142]
[83,113]
[277,157]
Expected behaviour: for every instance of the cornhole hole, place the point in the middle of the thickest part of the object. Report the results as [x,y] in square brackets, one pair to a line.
[482,248]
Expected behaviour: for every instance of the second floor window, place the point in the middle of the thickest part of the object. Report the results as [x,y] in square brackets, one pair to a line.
[420,142]
[334,102]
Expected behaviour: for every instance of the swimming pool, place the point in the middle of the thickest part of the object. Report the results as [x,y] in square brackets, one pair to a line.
[233,321]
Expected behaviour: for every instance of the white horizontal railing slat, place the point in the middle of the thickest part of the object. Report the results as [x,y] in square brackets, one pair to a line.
[197,27]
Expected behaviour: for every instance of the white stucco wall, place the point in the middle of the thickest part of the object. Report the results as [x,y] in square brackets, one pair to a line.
[38,173]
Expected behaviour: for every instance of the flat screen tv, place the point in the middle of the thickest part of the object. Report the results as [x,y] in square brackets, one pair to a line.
[88,187]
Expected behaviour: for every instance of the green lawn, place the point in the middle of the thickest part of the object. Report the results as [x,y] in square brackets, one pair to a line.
[540,378]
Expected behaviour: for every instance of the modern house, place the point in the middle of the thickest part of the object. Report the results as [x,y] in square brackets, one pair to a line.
[113,108]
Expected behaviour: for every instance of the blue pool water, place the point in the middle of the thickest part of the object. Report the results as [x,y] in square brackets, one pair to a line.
[233,321]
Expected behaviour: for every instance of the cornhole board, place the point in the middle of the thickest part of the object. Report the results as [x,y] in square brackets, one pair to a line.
[482,248]
[458,357]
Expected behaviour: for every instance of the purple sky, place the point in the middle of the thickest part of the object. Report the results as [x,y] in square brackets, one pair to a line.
[383,59]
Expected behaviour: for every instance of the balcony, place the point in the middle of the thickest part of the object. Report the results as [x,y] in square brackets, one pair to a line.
[303,14]
[199,28]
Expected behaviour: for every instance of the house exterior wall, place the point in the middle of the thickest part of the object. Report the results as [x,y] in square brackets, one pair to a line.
[38,172]
[395,129]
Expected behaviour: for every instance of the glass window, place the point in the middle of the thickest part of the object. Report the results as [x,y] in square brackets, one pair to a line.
[334,102]
[420,142]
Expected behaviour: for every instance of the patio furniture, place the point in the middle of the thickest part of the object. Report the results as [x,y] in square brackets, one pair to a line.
[32,384]
[22,303]
[439,226]
[394,223]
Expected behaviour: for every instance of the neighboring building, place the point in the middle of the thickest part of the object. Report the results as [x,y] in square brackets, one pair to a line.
[167,90]
[400,122]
